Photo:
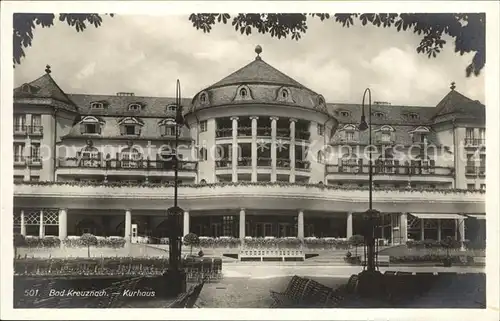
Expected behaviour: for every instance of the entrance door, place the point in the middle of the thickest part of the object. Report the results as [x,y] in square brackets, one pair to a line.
[216,229]
[134,233]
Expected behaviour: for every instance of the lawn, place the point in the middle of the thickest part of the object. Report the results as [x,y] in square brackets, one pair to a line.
[403,250]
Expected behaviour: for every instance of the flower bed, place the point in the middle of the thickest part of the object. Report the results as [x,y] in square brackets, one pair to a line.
[432,258]
[433,244]
[72,241]
[107,266]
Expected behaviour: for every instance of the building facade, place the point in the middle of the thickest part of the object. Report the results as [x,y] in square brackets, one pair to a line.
[260,154]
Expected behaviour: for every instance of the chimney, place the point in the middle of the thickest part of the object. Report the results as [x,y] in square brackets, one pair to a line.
[125,94]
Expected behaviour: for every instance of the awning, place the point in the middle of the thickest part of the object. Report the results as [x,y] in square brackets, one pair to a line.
[477,216]
[442,216]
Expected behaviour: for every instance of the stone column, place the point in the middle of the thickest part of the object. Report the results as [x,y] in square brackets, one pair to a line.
[254,148]
[63,223]
[300,225]
[292,149]
[461,230]
[439,230]
[242,224]
[23,225]
[235,149]
[42,228]
[349,225]
[186,223]
[422,229]
[403,228]
[128,226]
[274,121]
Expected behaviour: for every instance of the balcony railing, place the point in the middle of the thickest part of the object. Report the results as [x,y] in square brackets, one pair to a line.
[264,131]
[300,164]
[472,170]
[245,131]
[474,141]
[302,134]
[245,161]
[224,132]
[75,162]
[389,170]
[283,132]
[34,160]
[20,129]
[264,161]
[224,163]
[282,163]
[35,130]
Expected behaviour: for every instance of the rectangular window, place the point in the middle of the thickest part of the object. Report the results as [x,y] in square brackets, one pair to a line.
[18,152]
[349,136]
[471,187]
[36,120]
[483,187]
[34,178]
[35,152]
[469,133]
[18,178]
[130,129]
[482,134]
[19,123]
[227,225]
[386,137]
[90,129]
[321,130]
[203,126]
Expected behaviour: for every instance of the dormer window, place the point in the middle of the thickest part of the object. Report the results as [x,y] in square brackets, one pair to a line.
[97,106]
[413,116]
[344,113]
[243,92]
[134,107]
[130,126]
[203,98]
[321,130]
[321,101]
[26,88]
[90,125]
[378,114]
[168,127]
[351,133]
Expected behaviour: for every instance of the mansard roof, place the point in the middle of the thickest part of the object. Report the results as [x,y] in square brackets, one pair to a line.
[456,105]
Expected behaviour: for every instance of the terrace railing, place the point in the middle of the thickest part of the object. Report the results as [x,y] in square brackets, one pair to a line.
[472,170]
[473,142]
[224,133]
[75,162]
[389,170]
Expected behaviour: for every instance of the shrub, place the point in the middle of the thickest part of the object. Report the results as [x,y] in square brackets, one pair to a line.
[191,240]
[89,240]
[356,240]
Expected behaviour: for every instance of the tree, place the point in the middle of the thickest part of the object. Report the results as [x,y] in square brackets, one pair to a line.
[89,240]
[191,240]
[356,240]
[19,240]
[25,24]
[467,29]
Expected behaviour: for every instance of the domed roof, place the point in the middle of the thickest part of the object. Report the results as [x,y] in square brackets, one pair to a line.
[262,83]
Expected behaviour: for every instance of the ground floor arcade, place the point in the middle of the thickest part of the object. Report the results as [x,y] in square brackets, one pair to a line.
[395,228]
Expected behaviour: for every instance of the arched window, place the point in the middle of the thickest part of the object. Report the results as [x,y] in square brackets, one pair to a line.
[134,107]
[203,154]
[284,94]
[89,156]
[203,98]
[96,105]
[90,125]
[168,127]
[243,93]
[130,158]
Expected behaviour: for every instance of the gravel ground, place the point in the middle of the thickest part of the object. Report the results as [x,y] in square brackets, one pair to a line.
[249,292]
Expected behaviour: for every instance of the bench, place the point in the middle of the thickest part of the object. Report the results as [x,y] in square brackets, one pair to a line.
[306,293]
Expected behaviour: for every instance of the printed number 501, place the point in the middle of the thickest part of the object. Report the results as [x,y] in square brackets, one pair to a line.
[31,292]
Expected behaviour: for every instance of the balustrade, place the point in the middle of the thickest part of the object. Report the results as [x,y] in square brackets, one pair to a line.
[224,132]
[469,141]
[283,163]
[301,164]
[245,161]
[263,161]
[75,162]
[389,169]
[244,131]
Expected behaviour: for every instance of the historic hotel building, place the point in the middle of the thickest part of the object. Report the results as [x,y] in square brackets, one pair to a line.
[261,155]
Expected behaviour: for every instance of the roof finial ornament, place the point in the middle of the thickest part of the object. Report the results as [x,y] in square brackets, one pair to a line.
[452,87]
[47,69]
[258,51]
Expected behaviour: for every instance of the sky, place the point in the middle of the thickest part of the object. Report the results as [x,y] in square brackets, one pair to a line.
[146,54]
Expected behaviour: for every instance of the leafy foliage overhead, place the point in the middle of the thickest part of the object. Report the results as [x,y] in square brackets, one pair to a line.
[26,23]
[467,29]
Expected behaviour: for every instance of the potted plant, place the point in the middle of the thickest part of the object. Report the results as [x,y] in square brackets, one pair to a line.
[447,244]
[19,240]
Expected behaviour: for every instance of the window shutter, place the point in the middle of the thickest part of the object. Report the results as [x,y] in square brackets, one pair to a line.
[99,129]
[82,128]
[122,130]
[137,129]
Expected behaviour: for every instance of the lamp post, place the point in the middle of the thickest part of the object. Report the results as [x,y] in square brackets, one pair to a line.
[370,281]
[176,277]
